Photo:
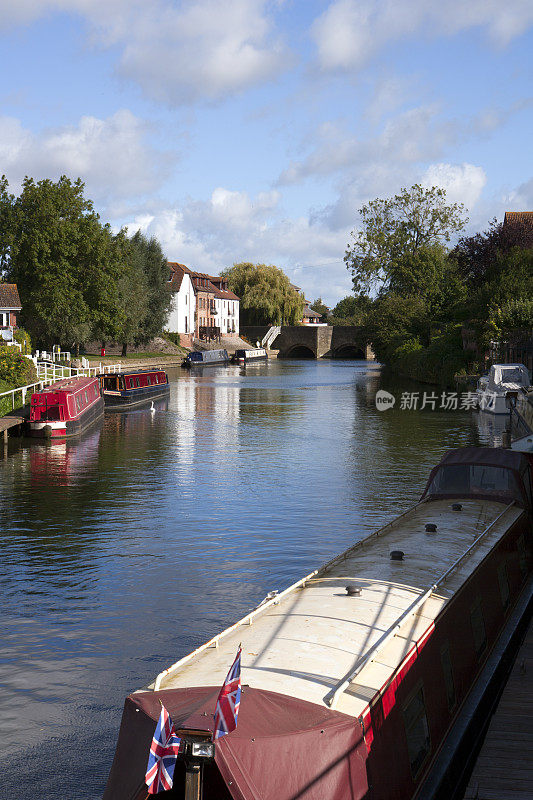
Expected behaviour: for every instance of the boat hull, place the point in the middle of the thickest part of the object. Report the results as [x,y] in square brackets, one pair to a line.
[58,429]
[129,398]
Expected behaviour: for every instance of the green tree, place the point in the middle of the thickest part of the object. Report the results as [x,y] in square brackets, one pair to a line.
[400,238]
[63,260]
[266,295]
[151,260]
[320,308]
[351,310]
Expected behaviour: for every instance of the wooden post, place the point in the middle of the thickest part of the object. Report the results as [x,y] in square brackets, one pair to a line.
[192,782]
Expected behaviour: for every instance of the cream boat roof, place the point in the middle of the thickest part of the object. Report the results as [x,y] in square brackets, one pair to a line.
[307,643]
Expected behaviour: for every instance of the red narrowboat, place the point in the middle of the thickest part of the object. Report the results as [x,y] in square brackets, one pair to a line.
[359,680]
[65,408]
[126,389]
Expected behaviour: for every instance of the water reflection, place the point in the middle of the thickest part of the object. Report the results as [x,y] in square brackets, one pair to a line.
[123,550]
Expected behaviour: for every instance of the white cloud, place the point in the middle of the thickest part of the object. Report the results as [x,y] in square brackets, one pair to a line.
[350,32]
[231,226]
[177,53]
[463,182]
[110,155]
[415,135]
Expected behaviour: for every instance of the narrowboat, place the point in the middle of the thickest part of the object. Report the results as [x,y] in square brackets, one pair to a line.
[245,356]
[205,358]
[130,388]
[357,679]
[503,379]
[65,408]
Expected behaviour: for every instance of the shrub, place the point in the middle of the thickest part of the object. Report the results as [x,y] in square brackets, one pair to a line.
[16,369]
[172,336]
[23,338]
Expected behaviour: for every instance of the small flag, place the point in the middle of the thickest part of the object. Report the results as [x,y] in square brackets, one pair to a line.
[228,701]
[163,754]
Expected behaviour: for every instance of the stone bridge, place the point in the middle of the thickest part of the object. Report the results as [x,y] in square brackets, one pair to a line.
[315,341]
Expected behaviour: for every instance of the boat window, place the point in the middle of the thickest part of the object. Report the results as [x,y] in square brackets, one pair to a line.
[478,627]
[78,402]
[475,479]
[522,554]
[148,381]
[417,731]
[137,382]
[86,396]
[446,661]
[503,581]
[195,356]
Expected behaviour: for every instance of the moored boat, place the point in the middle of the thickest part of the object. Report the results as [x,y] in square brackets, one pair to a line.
[493,390]
[245,356]
[205,358]
[65,408]
[356,677]
[133,387]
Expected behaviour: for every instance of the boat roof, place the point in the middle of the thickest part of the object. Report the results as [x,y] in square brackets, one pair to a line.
[67,385]
[305,643]
[131,372]
[493,456]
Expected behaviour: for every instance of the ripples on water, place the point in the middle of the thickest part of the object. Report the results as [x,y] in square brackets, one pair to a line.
[122,551]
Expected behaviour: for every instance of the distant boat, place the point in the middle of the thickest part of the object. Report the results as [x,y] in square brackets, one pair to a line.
[133,387]
[244,356]
[65,408]
[492,389]
[205,358]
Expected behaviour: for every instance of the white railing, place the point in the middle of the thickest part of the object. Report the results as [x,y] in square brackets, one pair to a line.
[23,391]
[272,333]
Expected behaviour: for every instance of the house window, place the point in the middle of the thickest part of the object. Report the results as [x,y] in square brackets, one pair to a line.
[478,627]
[446,661]
[417,731]
[185,324]
[4,320]
[503,581]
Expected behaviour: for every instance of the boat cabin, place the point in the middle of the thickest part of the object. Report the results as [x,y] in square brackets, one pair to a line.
[367,663]
[64,400]
[66,407]
[124,389]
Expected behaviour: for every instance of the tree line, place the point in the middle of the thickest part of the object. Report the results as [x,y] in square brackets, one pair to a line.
[78,280]
[414,292]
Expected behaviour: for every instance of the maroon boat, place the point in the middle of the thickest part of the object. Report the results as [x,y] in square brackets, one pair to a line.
[65,408]
[360,679]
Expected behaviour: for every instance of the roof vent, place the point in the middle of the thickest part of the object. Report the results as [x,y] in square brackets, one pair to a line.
[353,591]
[431,527]
[396,555]
[457,507]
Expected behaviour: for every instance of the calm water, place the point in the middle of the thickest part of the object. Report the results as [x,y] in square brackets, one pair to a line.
[121,552]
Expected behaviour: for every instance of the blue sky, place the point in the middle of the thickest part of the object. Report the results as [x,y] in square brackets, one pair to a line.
[252,130]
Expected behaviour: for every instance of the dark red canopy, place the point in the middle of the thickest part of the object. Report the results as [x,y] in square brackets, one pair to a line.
[282,749]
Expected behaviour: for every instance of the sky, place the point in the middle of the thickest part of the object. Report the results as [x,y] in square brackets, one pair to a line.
[254,131]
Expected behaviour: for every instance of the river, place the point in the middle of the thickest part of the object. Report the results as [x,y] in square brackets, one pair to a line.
[124,550]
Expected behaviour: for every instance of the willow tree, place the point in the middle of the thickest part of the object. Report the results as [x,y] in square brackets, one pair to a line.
[266,294]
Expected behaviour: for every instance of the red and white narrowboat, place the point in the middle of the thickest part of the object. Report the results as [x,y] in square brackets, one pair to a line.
[65,408]
[127,389]
[360,679]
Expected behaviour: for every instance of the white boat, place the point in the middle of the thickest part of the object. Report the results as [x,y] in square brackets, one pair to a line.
[493,389]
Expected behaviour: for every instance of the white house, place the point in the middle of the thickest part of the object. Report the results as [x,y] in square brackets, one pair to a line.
[183,309]
[9,308]
[227,307]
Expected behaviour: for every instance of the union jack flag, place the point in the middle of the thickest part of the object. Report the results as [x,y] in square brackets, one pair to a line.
[163,754]
[228,701]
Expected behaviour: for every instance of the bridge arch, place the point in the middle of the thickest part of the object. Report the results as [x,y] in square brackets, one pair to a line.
[349,351]
[299,351]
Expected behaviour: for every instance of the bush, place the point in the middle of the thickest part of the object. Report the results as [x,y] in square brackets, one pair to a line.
[16,369]
[172,336]
[438,363]
[23,338]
